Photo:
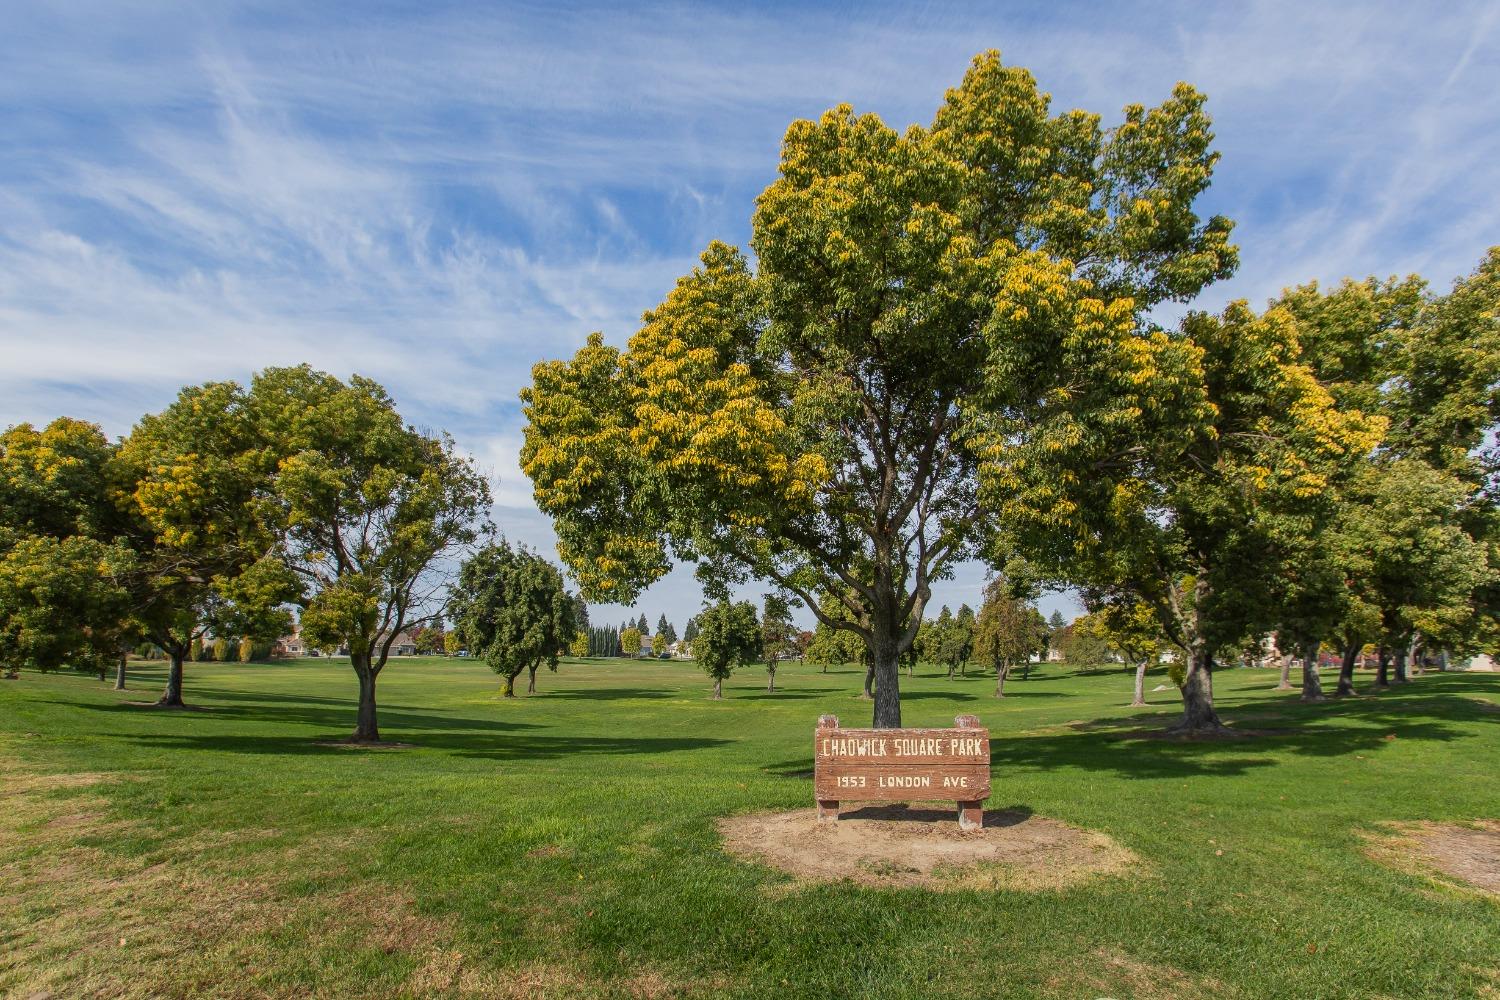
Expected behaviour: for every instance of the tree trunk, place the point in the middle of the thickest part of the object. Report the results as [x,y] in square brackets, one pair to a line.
[1400,677]
[718,689]
[1140,685]
[1312,683]
[885,672]
[1001,671]
[531,680]
[171,697]
[1198,715]
[366,730]
[1346,669]
[120,674]
[1286,673]
[508,690]
[869,694]
[770,677]
[1382,672]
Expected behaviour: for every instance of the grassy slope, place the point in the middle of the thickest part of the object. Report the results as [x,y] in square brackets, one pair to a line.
[563,843]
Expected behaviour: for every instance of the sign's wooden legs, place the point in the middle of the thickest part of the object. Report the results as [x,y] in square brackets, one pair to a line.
[828,811]
[971,815]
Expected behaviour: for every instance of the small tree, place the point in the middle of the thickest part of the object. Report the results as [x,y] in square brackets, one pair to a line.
[728,637]
[659,644]
[1006,630]
[1130,627]
[511,608]
[947,642]
[963,636]
[580,645]
[452,642]
[1083,643]
[429,640]
[777,636]
[630,641]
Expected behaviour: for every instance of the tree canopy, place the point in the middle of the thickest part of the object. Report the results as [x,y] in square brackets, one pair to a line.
[923,302]
[364,507]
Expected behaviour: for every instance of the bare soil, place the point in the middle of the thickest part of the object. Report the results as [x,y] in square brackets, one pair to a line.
[1469,855]
[902,845]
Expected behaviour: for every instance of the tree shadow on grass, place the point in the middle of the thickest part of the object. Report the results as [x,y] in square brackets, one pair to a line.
[780,694]
[1135,746]
[605,694]
[525,746]
[324,713]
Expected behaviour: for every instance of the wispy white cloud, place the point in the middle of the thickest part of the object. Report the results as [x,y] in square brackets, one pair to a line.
[441,198]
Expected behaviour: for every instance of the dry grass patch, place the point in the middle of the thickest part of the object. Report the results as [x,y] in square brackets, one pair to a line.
[1111,973]
[903,846]
[83,920]
[1466,855]
[447,973]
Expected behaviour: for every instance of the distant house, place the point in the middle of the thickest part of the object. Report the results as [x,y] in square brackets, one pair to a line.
[290,645]
[1482,663]
[405,644]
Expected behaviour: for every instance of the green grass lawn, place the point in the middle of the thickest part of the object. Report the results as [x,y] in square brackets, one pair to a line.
[563,844]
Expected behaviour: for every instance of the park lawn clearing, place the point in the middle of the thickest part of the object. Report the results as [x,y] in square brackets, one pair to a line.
[568,843]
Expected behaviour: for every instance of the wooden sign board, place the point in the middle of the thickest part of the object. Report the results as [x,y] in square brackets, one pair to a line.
[903,765]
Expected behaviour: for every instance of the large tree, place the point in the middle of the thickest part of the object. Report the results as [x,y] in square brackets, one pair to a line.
[1191,506]
[65,577]
[191,483]
[1427,364]
[1407,566]
[367,509]
[511,607]
[922,299]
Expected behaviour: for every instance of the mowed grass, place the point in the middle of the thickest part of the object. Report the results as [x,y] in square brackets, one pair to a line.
[563,844]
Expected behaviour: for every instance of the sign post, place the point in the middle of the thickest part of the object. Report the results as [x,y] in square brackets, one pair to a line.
[902,765]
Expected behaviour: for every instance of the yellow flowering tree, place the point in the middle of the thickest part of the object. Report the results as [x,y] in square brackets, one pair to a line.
[190,482]
[1197,509]
[923,303]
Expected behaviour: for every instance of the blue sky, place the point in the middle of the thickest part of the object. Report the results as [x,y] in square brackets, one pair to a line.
[439,195]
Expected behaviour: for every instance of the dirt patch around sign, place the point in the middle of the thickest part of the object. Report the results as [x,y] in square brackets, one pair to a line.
[923,846]
[1466,854]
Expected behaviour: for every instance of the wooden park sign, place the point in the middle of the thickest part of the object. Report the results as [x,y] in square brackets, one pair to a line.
[903,765]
